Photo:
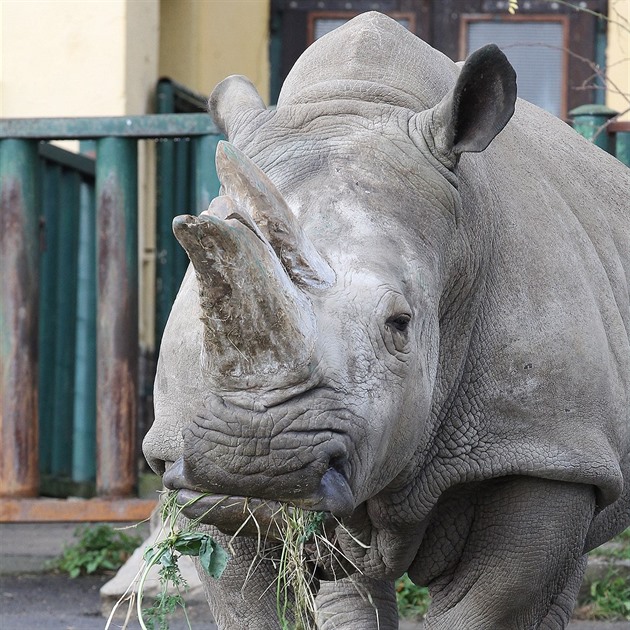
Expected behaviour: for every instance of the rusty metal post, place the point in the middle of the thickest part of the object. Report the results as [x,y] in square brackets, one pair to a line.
[117,315]
[19,265]
[620,129]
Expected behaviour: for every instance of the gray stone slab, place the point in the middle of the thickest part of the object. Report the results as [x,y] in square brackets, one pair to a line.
[126,580]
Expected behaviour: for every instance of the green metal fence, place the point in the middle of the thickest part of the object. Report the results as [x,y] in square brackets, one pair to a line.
[70,292]
[176,167]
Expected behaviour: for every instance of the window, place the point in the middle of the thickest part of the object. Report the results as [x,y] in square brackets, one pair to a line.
[321,23]
[535,46]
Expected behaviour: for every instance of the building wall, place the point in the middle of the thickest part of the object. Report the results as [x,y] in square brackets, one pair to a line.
[202,42]
[618,57]
[98,58]
[64,58]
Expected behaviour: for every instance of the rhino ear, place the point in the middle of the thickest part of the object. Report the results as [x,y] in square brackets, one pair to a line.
[230,99]
[482,102]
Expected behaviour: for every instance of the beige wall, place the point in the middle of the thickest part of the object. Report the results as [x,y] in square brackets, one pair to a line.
[64,58]
[203,41]
[618,56]
[96,58]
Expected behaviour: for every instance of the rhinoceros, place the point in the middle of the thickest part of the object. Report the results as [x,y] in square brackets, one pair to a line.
[408,309]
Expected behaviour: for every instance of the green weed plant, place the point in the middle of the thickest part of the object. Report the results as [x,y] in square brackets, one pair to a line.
[609,598]
[178,541]
[99,549]
[413,601]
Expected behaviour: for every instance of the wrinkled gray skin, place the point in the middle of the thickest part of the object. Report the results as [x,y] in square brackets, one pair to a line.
[427,338]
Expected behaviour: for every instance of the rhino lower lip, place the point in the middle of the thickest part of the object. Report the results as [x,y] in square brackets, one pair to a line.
[231,514]
[334,496]
[238,515]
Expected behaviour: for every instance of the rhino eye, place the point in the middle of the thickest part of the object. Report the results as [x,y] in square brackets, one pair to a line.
[399,322]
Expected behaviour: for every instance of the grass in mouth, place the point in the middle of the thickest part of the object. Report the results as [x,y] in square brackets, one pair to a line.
[295,588]
[302,541]
[166,553]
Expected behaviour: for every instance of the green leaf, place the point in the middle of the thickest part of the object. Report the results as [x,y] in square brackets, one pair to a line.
[168,558]
[205,555]
[92,565]
[154,554]
[213,558]
[189,544]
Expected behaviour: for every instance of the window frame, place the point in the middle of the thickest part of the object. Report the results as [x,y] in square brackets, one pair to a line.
[469,18]
[312,16]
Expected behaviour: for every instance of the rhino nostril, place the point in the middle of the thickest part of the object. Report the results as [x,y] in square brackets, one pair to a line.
[174,476]
[158,466]
[339,463]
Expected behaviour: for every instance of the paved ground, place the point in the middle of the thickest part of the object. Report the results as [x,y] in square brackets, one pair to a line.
[55,602]
[32,600]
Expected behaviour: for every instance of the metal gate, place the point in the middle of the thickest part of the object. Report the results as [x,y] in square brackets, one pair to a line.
[70,251]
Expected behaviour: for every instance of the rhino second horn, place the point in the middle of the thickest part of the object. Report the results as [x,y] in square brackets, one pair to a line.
[258,326]
[250,187]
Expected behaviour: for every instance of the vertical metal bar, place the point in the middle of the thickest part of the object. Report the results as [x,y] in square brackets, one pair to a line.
[622,147]
[165,241]
[64,338]
[165,211]
[51,177]
[19,261]
[165,97]
[275,55]
[117,315]
[184,204]
[206,181]
[84,430]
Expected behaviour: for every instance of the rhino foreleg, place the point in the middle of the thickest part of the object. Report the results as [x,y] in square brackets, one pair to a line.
[245,595]
[357,602]
[522,563]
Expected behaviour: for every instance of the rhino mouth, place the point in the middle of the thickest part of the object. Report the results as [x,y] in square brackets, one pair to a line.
[251,516]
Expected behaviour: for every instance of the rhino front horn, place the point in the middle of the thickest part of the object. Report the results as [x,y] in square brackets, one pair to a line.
[258,326]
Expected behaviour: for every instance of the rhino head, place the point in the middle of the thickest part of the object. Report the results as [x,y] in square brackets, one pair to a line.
[302,360]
